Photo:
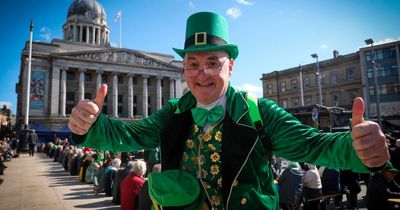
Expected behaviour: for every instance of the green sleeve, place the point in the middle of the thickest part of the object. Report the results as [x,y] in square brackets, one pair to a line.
[297,142]
[118,136]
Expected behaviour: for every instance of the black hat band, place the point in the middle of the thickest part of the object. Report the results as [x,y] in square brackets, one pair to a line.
[202,38]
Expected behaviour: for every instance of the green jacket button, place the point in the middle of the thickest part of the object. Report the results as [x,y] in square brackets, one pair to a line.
[243,201]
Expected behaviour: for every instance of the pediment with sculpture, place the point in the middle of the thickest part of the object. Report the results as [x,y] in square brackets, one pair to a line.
[118,57]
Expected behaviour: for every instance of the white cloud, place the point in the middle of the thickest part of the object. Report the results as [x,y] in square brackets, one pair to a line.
[387,40]
[245,2]
[45,33]
[234,12]
[256,90]
[113,44]
[7,103]
[323,46]
[191,5]
[384,41]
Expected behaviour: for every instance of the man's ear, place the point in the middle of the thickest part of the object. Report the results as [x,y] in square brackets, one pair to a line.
[231,62]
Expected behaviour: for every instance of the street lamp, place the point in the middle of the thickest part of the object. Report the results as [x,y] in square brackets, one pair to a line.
[314,55]
[374,70]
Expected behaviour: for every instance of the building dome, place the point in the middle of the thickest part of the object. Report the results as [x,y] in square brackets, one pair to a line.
[90,8]
[86,23]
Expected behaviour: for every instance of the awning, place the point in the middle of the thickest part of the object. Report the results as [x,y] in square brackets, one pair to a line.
[39,128]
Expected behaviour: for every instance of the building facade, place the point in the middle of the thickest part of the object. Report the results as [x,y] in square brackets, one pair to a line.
[383,60]
[340,83]
[68,70]
[343,78]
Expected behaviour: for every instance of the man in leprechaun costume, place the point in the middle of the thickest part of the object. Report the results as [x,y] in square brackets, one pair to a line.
[212,155]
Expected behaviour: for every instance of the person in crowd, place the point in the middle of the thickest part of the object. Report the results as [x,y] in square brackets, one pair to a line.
[86,160]
[110,174]
[312,187]
[151,157]
[290,184]
[222,136]
[380,187]
[121,174]
[330,179]
[32,140]
[98,178]
[351,181]
[131,185]
[144,201]
[89,175]
[75,162]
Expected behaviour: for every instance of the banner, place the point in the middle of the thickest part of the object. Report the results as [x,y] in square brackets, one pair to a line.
[37,89]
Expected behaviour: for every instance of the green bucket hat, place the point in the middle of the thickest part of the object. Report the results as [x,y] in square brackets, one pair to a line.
[207,31]
[175,188]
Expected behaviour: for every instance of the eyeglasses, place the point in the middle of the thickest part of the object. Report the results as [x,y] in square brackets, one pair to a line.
[212,68]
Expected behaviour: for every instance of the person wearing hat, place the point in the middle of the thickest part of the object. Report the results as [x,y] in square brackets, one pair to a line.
[209,135]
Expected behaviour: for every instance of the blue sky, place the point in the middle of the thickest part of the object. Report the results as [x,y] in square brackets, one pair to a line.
[272,35]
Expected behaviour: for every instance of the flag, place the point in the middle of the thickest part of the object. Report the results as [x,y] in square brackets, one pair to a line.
[117,16]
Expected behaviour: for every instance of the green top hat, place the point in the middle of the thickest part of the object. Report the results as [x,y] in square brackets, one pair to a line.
[175,188]
[207,31]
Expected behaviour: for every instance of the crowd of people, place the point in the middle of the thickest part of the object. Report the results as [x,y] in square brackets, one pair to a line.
[122,176]
[117,175]
[8,148]
[319,187]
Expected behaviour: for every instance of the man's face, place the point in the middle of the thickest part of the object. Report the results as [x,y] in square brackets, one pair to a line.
[209,86]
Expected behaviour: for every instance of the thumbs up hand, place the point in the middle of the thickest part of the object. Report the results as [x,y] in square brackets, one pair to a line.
[368,139]
[85,113]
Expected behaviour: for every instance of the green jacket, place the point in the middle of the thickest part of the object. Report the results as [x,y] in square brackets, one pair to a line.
[247,176]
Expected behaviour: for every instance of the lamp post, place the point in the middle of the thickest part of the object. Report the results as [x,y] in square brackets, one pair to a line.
[374,71]
[28,84]
[318,79]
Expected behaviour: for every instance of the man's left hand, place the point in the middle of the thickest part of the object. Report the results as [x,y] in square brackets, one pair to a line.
[368,139]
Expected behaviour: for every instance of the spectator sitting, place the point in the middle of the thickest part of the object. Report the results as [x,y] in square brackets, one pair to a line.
[290,184]
[121,174]
[312,186]
[131,185]
[144,201]
[110,174]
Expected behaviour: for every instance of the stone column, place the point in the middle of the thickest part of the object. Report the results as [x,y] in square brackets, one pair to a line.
[159,93]
[80,33]
[145,96]
[55,84]
[98,78]
[87,34]
[130,95]
[178,86]
[81,90]
[93,35]
[63,92]
[171,87]
[115,94]
[75,39]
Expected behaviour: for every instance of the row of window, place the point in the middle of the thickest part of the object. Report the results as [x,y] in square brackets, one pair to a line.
[306,81]
[385,89]
[381,54]
[335,100]
[71,76]
[384,71]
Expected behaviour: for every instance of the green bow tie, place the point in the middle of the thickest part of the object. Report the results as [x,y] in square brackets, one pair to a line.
[203,116]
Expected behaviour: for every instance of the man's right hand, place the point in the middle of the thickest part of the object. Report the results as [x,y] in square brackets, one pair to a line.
[85,113]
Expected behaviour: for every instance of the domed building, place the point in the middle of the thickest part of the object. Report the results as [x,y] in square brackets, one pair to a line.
[86,23]
[70,69]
